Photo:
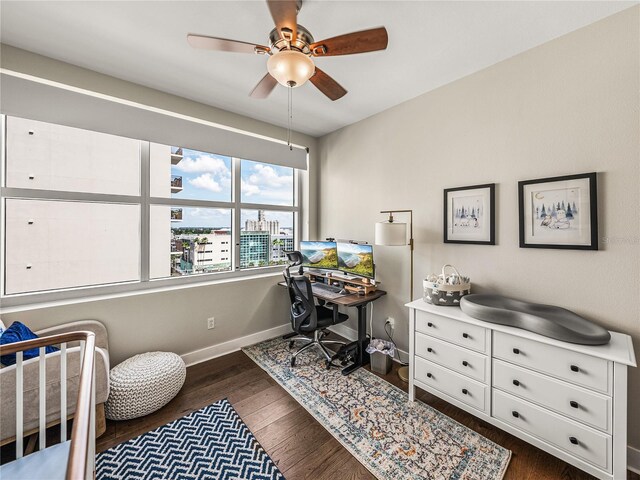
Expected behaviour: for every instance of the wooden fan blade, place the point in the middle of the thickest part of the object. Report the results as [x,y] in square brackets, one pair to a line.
[285,16]
[264,87]
[355,42]
[327,85]
[224,44]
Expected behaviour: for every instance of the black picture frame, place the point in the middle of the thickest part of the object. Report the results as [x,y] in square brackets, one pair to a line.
[593,212]
[491,194]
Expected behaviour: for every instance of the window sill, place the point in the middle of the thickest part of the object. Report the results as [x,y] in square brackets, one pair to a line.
[36,301]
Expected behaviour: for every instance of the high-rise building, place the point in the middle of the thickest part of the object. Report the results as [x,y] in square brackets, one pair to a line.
[255,247]
[205,253]
[262,224]
[279,245]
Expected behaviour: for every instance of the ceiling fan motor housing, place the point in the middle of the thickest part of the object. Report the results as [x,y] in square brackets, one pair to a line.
[300,43]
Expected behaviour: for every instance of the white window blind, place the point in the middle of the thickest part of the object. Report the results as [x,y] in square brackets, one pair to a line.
[41,100]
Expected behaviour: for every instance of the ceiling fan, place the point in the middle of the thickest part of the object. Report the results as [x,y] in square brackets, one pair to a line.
[292,48]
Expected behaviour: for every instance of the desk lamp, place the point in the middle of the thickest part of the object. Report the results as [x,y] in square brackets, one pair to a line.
[392,233]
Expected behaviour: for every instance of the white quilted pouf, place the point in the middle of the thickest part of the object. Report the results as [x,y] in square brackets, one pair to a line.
[144,383]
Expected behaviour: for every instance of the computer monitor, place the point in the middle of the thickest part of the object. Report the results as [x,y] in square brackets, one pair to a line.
[356,259]
[320,255]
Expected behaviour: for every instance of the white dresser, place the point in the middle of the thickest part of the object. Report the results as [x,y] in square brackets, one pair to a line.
[569,400]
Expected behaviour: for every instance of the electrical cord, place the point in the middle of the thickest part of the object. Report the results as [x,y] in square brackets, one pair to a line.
[390,335]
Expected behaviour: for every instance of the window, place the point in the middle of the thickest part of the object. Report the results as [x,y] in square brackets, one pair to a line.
[51,242]
[184,246]
[80,211]
[265,237]
[267,184]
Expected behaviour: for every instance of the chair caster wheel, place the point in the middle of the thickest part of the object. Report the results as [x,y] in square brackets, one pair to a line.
[293,362]
[291,344]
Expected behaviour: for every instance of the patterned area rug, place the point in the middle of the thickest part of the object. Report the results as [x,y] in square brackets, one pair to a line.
[212,443]
[373,419]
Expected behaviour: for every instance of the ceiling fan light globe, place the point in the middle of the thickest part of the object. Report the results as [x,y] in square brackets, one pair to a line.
[290,68]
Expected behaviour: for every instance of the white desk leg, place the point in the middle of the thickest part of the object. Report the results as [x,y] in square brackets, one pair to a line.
[412,329]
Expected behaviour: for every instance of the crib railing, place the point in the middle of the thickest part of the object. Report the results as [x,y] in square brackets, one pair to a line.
[81,459]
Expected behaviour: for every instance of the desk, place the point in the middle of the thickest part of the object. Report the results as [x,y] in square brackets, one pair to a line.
[359,302]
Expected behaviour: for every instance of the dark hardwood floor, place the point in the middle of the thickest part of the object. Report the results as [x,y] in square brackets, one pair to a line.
[296,442]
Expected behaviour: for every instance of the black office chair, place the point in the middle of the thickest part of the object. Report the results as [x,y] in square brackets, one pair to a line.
[306,316]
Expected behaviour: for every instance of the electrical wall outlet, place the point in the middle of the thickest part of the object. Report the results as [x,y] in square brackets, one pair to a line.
[391,322]
[211,323]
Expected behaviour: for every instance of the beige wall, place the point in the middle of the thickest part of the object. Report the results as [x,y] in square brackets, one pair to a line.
[175,320]
[568,106]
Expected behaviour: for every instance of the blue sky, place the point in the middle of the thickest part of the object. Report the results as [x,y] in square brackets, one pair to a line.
[207,176]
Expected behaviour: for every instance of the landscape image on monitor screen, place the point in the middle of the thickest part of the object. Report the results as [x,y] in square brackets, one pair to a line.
[356,259]
[319,254]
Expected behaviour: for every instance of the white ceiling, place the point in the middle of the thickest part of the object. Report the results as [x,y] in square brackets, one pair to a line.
[430,44]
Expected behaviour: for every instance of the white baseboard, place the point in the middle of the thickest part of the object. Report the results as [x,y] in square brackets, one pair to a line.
[234,345]
[352,334]
[633,459]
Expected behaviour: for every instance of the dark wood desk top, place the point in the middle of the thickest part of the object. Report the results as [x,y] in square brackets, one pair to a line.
[352,300]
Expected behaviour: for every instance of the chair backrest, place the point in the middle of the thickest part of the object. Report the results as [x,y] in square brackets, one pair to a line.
[304,317]
[303,309]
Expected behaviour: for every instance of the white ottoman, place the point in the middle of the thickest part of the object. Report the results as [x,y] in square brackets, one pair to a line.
[144,383]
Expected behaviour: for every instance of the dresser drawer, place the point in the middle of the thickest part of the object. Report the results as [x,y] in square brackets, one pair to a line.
[577,368]
[578,440]
[456,358]
[457,386]
[569,400]
[463,334]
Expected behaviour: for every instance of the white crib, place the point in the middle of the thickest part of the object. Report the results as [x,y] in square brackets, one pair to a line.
[72,458]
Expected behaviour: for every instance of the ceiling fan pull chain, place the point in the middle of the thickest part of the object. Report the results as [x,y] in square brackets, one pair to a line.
[290,115]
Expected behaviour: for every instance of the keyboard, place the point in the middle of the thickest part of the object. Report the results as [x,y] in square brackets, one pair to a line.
[327,291]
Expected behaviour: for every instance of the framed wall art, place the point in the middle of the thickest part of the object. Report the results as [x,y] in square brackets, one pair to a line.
[469,214]
[559,212]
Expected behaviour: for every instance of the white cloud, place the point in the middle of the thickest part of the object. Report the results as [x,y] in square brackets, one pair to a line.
[249,189]
[204,163]
[266,176]
[264,181]
[207,213]
[206,182]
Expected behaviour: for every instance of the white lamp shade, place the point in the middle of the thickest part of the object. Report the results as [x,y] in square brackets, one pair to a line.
[391,234]
[290,68]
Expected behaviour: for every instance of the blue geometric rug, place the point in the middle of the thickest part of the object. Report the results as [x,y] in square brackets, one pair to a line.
[210,444]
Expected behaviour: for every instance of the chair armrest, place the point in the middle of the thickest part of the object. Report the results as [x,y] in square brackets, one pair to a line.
[102,339]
